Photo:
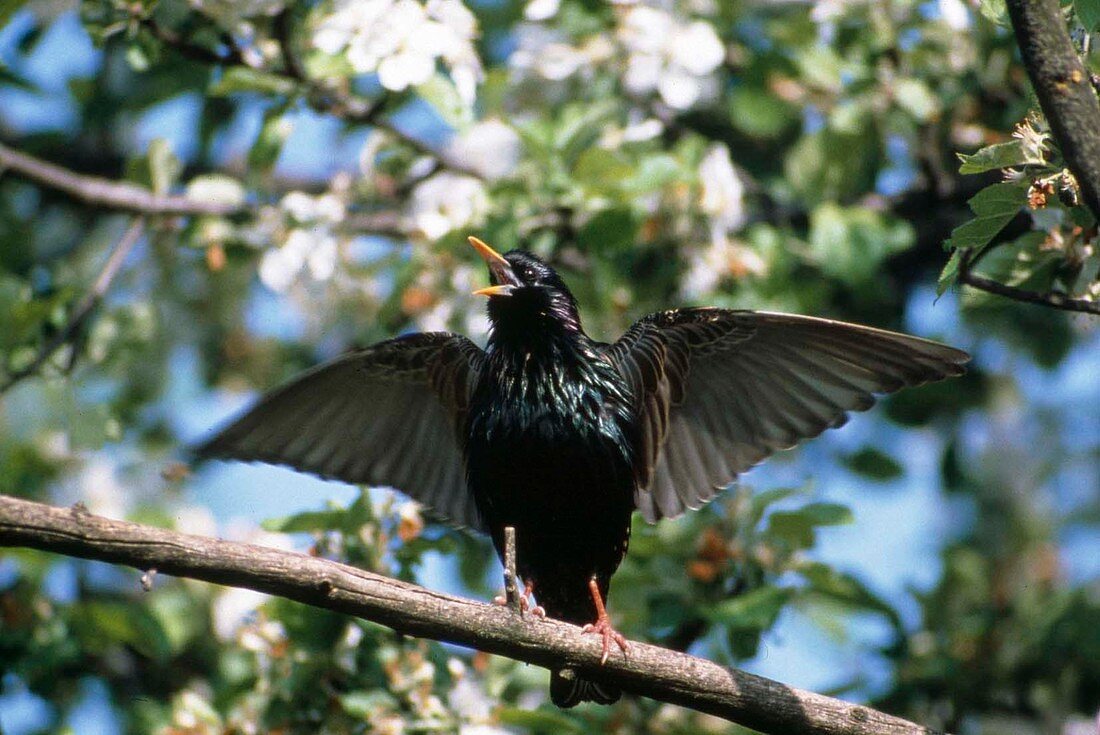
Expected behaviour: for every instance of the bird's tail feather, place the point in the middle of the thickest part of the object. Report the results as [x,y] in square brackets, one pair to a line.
[568,690]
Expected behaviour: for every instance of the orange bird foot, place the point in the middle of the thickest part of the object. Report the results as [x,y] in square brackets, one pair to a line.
[602,626]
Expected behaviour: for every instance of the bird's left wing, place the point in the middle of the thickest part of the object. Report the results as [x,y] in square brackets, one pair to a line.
[716,391]
[390,414]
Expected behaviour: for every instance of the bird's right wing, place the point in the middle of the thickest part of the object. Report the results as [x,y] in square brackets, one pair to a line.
[391,414]
[716,391]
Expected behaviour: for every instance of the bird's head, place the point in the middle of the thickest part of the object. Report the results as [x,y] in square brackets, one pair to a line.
[525,292]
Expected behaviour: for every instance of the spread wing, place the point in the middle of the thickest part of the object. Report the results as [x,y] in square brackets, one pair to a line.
[390,415]
[717,391]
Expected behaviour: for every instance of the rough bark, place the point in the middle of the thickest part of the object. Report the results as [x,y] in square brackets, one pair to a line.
[1062,85]
[753,701]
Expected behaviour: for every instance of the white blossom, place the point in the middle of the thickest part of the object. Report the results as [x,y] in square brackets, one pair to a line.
[537,10]
[101,491]
[446,202]
[483,729]
[723,191]
[313,248]
[955,14]
[647,129]
[307,209]
[720,260]
[216,188]
[490,147]
[310,243]
[232,609]
[469,700]
[673,57]
[549,54]
[402,41]
[196,520]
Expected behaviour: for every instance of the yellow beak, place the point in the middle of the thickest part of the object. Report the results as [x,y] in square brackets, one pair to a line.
[499,268]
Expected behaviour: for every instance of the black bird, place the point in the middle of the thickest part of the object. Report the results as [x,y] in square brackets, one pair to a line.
[563,437]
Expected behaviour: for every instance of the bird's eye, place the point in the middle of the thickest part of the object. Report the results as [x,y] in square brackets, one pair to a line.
[529,274]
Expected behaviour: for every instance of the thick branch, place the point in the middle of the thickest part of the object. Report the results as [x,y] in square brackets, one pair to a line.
[1053,299]
[1063,88]
[106,193]
[669,676]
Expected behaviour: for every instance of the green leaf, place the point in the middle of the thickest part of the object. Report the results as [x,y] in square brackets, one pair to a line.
[164,167]
[764,500]
[601,169]
[916,98]
[995,11]
[796,527]
[996,156]
[654,173]
[755,610]
[949,273]
[8,8]
[841,587]
[306,522]
[440,92]
[1088,12]
[245,79]
[363,704]
[579,126]
[760,114]
[821,67]
[269,143]
[609,230]
[873,463]
[538,720]
[849,243]
[993,207]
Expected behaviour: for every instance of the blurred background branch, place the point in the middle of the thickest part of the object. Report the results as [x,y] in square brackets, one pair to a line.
[77,321]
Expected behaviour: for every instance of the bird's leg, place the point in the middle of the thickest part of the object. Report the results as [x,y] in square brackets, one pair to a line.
[524,601]
[602,626]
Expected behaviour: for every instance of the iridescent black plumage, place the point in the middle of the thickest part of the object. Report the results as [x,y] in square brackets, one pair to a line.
[550,451]
[563,437]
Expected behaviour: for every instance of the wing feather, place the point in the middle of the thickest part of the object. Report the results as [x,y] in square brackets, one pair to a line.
[391,414]
[717,391]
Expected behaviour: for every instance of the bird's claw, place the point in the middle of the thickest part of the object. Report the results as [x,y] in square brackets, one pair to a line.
[602,627]
[524,604]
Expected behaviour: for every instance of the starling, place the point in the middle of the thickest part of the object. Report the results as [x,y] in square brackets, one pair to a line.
[563,437]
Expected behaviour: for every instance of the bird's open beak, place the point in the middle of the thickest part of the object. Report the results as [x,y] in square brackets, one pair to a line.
[499,268]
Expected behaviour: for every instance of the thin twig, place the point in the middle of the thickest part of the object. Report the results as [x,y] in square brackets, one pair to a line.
[104,192]
[511,590]
[318,95]
[284,36]
[753,701]
[194,51]
[84,309]
[1053,299]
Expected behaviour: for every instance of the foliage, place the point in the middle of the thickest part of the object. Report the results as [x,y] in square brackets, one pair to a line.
[780,156]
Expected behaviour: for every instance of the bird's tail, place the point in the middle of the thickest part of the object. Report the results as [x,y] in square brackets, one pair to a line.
[568,690]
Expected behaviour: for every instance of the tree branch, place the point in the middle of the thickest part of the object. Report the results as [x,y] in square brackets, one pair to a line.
[750,700]
[320,96]
[1053,299]
[84,309]
[104,192]
[1063,88]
